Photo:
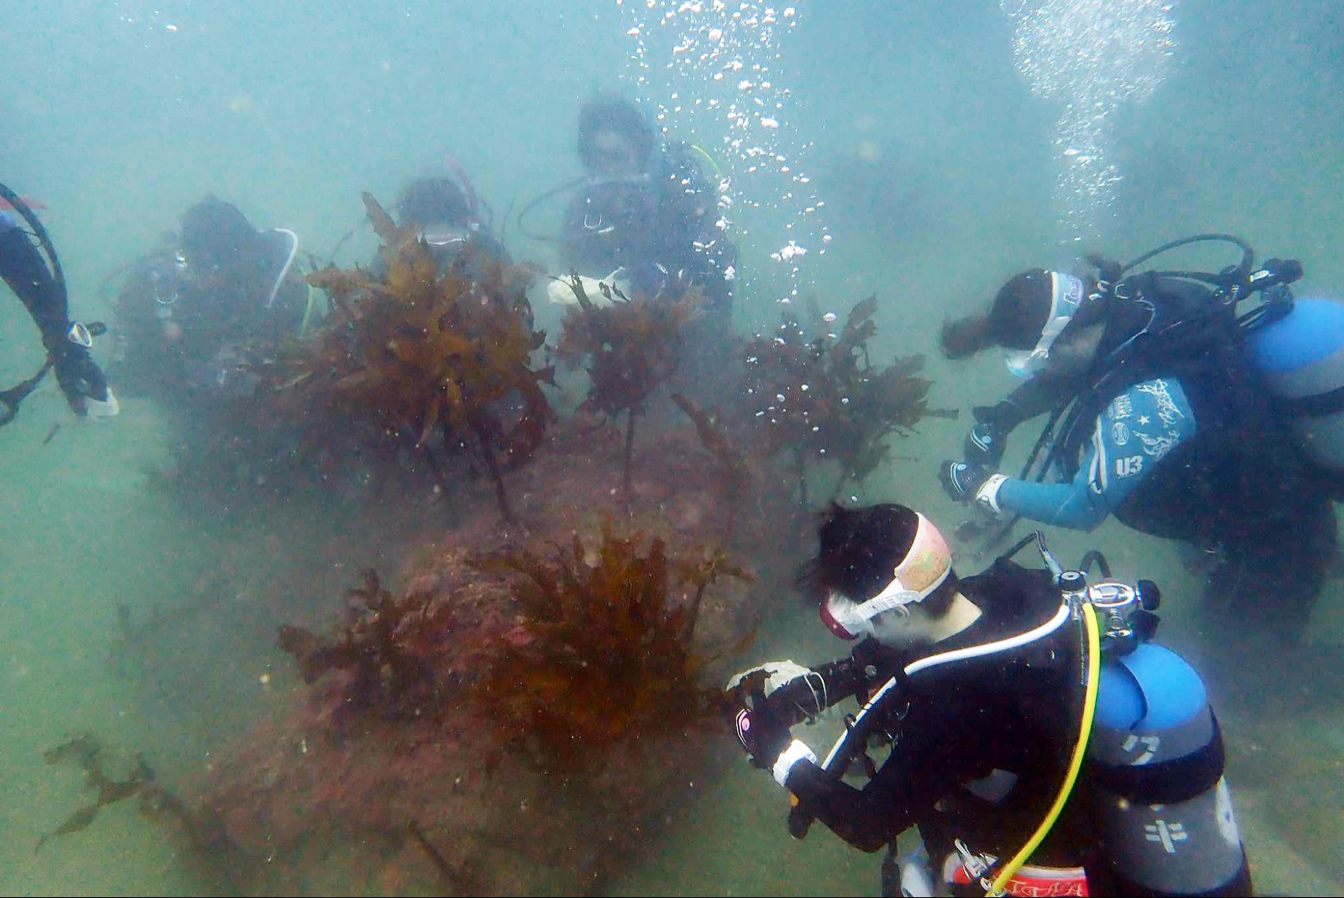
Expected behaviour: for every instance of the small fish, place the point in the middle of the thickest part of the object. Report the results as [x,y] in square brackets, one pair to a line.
[51,433]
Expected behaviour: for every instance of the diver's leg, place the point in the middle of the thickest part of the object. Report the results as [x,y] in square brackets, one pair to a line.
[1271,574]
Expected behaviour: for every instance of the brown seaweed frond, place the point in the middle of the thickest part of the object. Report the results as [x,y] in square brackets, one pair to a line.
[629,347]
[387,648]
[428,352]
[87,753]
[606,656]
[818,394]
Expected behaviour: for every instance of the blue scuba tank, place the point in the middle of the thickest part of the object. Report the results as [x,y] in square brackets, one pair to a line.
[1155,760]
[1301,357]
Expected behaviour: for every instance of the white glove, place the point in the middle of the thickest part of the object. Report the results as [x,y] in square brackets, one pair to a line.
[779,674]
[560,291]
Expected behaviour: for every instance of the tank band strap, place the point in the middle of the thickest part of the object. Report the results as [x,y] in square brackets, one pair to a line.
[1317,406]
[1169,782]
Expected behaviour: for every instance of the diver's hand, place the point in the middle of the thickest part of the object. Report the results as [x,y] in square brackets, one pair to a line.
[985,444]
[961,480]
[82,381]
[777,675]
[763,733]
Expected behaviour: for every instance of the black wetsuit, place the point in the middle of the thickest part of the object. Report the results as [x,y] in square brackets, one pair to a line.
[22,268]
[667,218]
[210,316]
[1016,712]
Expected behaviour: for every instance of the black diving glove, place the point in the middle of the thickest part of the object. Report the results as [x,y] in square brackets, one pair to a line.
[961,481]
[763,733]
[985,444]
[80,378]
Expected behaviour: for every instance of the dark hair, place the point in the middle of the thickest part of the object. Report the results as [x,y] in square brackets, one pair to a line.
[859,551]
[1015,320]
[428,201]
[614,113]
[216,233]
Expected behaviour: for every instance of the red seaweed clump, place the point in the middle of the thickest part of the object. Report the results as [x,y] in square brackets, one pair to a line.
[606,655]
[435,356]
[388,650]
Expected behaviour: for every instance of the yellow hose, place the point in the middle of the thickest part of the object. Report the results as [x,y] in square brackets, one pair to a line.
[718,173]
[1075,765]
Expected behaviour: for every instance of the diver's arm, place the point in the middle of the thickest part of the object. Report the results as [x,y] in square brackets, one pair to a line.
[1132,436]
[934,753]
[868,818]
[22,268]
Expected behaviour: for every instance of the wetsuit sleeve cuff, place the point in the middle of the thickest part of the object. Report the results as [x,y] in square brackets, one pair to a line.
[988,494]
[797,751]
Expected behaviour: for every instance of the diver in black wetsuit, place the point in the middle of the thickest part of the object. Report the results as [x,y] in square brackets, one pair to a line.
[1164,425]
[976,685]
[647,209]
[41,289]
[186,310]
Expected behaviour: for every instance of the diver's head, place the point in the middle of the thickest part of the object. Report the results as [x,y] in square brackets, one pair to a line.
[615,139]
[1044,320]
[441,209]
[216,236]
[883,571]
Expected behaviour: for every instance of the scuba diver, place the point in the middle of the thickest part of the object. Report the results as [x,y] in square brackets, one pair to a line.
[646,223]
[1158,418]
[1029,719]
[185,311]
[39,284]
[450,219]
[644,216]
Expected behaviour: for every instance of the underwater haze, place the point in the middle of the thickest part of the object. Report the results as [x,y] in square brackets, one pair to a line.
[919,152]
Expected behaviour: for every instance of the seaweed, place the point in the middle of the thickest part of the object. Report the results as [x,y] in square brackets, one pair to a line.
[607,654]
[731,460]
[429,352]
[87,753]
[631,347]
[818,396]
[387,648]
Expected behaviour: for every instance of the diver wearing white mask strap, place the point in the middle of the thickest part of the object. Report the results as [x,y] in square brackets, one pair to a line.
[925,569]
[975,685]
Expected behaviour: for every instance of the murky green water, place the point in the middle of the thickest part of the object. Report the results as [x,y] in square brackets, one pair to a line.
[940,170]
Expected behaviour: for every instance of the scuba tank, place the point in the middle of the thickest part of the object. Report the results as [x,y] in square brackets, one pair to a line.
[1160,804]
[1301,357]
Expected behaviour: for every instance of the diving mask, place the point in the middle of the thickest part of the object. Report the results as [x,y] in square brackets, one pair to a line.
[1066,297]
[924,569]
[449,234]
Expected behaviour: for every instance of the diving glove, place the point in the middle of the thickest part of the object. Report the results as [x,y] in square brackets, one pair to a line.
[80,378]
[961,480]
[985,444]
